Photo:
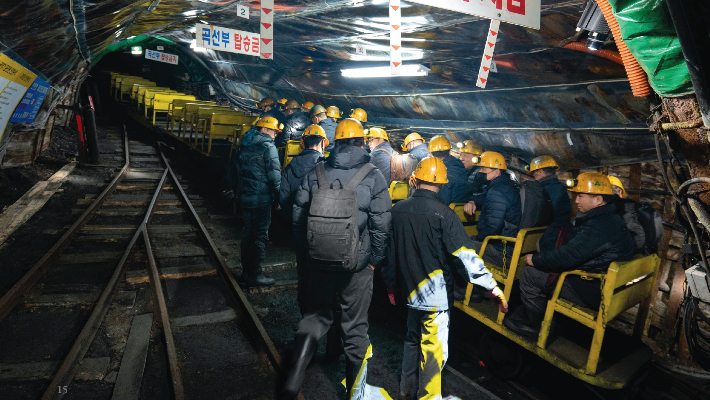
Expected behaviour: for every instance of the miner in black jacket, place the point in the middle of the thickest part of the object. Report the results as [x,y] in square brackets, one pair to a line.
[544,170]
[598,238]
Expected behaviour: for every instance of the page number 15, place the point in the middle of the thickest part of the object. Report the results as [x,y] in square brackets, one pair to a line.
[62,389]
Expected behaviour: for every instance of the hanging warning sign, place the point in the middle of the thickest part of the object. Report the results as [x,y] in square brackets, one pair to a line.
[487,58]
[225,39]
[395,37]
[518,12]
[267,29]
[161,57]
[14,82]
[27,110]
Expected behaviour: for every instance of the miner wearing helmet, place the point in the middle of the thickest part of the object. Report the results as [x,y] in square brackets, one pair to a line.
[270,109]
[414,144]
[598,237]
[544,170]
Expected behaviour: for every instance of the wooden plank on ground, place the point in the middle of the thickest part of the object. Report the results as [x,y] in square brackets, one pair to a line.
[31,202]
[134,277]
[130,374]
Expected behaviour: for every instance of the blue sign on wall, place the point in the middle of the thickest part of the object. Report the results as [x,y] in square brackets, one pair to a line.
[29,106]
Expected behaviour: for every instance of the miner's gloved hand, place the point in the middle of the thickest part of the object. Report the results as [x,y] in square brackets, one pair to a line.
[412,181]
[229,195]
[390,295]
[497,295]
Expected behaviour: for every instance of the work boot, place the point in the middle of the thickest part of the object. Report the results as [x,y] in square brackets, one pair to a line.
[303,351]
[527,326]
[243,279]
[261,280]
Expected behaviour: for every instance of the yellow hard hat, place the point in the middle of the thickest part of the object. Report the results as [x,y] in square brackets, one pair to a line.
[410,138]
[291,104]
[541,162]
[359,114]
[432,170]
[616,182]
[271,123]
[490,159]
[590,183]
[315,130]
[470,147]
[282,101]
[439,143]
[318,109]
[376,133]
[266,101]
[349,128]
[307,105]
[334,112]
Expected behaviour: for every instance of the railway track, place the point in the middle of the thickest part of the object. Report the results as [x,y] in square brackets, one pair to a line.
[139,242]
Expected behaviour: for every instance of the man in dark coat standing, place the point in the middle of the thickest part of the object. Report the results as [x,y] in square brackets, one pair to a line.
[353,290]
[456,190]
[544,170]
[501,210]
[296,122]
[260,182]
[314,141]
[380,151]
[332,114]
[598,238]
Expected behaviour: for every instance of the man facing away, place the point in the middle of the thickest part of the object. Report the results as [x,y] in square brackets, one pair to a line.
[544,170]
[380,151]
[414,144]
[326,283]
[428,243]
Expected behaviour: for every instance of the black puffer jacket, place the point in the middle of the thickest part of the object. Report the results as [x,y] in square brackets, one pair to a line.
[456,190]
[561,208]
[276,113]
[374,217]
[381,157]
[501,212]
[597,238]
[626,208]
[328,126]
[260,171]
[293,175]
[294,126]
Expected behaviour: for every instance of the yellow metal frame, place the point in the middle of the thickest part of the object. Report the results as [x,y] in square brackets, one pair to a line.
[225,126]
[186,112]
[469,221]
[399,190]
[163,101]
[175,112]
[291,150]
[134,90]
[203,113]
[150,94]
[140,94]
[127,85]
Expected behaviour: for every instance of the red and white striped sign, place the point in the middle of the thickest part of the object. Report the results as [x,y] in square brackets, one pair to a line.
[488,53]
[267,29]
[395,37]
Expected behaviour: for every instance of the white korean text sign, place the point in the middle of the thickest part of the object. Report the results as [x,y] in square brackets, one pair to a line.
[162,57]
[518,12]
[225,39]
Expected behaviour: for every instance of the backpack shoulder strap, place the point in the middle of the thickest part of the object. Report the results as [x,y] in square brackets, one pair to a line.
[359,176]
[320,174]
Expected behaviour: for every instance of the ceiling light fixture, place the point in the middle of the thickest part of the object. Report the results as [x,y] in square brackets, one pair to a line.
[136,50]
[385,72]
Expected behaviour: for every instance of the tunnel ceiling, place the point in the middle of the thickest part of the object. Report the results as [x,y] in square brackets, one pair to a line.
[544,98]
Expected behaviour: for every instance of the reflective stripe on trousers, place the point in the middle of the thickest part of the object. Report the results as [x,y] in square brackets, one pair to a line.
[426,349]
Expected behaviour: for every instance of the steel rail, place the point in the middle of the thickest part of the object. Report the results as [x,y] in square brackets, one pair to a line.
[234,289]
[71,363]
[13,296]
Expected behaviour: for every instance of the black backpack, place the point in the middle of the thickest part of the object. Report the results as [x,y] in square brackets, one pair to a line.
[332,232]
[536,205]
[652,224]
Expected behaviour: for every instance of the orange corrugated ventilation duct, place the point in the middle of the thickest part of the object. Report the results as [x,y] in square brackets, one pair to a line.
[637,76]
[608,54]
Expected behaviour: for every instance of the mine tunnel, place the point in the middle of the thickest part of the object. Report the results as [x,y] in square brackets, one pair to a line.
[361,199]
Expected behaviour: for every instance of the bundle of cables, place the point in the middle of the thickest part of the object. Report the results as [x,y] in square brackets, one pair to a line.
[698,341]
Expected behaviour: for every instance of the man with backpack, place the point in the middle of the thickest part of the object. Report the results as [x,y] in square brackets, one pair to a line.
[380,151]
[455,191]
[414,144]
[342,215]
[598,237]
[641,219]
[259,183]
[428,243]
[313,142]
[544,170]
[501,211]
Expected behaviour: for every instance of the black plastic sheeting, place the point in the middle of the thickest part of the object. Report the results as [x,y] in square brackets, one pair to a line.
[540,93]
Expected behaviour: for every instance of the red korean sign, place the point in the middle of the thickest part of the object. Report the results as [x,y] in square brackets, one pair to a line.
[518,12]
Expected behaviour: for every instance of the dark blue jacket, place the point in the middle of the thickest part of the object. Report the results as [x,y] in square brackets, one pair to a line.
[561,208]
[501,212]
[456,191]
[292,176]
[597,238]
[420,152]
[294,126]
[260,171]
[373,198]
[381,158]
[328,126]
[276,113]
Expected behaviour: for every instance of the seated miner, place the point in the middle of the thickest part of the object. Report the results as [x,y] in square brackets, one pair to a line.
[598,237]
[294,125]
[544,170]
[317,114]
[268,109]
[467,151]
[414,144]
[626,208]
[501,210]
[455,191]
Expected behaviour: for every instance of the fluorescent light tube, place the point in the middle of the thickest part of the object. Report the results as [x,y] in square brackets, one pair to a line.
[384,72]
